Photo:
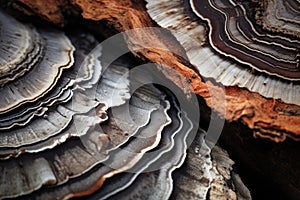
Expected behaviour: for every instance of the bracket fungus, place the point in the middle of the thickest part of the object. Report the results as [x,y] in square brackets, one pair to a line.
[226,41]
[261,92]
[43,74]
[64,125]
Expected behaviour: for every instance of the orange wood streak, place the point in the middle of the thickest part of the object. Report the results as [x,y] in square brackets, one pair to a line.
[89,191]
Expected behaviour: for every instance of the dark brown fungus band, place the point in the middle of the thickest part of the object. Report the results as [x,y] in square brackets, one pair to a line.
[282,16]
[233,34]
[226,41]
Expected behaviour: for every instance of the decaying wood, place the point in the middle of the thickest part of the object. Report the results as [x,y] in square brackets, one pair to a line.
[246,112]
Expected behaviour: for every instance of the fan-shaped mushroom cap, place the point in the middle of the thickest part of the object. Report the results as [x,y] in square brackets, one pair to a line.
[232,45]
[31,62]
[57,55]
[65,120]
[233,33]
[20,48]
[73,159]
[124,182]
[85,73]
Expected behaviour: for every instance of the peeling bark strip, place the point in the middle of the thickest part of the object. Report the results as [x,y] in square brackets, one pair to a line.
[258,113]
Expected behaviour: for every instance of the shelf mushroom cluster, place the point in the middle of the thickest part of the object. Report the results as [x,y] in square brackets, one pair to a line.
[251,44]
[63,133]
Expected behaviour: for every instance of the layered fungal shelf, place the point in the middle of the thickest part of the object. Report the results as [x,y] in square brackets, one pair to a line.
[71,126]
[79,119]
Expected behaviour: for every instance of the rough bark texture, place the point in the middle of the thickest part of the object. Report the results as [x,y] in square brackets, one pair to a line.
[247,113]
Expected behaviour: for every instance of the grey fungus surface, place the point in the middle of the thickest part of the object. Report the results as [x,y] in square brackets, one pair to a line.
[43,76]
[71,126]
[20,48]
[216,178]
